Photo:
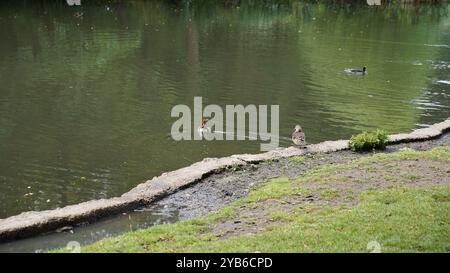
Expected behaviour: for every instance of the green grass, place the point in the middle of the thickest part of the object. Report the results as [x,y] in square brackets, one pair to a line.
[329,193]
[278,215]
[410,176]
[298,158]
[400,219]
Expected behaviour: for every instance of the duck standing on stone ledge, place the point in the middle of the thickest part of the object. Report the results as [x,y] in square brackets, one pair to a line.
[298,137]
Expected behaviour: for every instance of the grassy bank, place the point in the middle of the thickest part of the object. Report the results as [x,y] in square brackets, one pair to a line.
[397,202]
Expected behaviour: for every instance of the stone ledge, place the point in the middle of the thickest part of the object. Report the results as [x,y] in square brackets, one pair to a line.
[428,133]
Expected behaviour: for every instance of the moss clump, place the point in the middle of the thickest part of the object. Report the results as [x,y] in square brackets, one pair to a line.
[368,141]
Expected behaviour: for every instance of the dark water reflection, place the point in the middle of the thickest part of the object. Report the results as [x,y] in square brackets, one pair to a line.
[85,101]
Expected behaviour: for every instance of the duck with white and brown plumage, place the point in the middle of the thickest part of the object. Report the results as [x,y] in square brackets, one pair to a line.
[298,137]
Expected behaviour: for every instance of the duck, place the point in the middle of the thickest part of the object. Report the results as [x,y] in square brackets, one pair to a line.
[203,129]
[298,136]
[356,71]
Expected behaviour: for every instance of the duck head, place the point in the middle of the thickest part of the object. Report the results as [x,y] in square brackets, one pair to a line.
[204,121]
[364,69]
[297,128]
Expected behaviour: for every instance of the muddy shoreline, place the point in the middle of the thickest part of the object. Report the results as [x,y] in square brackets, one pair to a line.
[223,180]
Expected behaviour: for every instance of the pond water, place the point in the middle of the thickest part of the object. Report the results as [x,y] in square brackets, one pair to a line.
[88,234]
[86,91]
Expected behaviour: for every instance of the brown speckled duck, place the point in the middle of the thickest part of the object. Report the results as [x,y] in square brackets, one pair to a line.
[298,137]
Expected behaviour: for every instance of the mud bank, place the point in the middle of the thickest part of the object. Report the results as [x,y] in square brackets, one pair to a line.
[36,222]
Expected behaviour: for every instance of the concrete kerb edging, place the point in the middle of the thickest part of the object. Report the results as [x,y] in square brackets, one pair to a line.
[36,222]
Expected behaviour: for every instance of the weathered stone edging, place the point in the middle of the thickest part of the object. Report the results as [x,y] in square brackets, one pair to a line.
[35,222]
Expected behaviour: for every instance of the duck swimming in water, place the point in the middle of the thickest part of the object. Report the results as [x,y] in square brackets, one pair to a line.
[356,71]
[203,129]
[298,136]
[78,14]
